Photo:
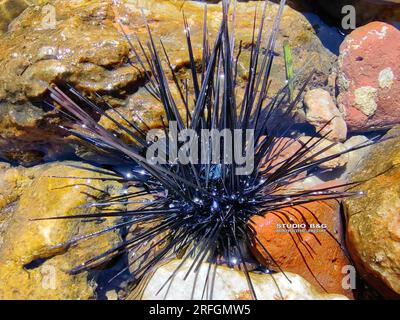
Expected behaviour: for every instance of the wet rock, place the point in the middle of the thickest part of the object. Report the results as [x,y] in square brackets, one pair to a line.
[83,49]
[338,169]
[369,80]
[323,148]
[314,253]
[322,113]
[143,109]
[284,148]
[311,181]
[87,49]
[143,253]
[31,266]
[29,134]
[9,10]
[230,285]
[357,156]
[373,223]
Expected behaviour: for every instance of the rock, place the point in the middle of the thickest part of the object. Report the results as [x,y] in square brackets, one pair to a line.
[29,135]
[357,156]
[373,224]
[143,109]
[369,81]
[84,49]
[87,49]
[320,109]
[230,285]
[282,148]
[323,148]
[31,266]
[9,10]
[335,170]
[112,295]
[341,168]
[311,181]
[314,253]
[145,252]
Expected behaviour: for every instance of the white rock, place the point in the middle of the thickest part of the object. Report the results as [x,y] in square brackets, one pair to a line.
[320,109]
[355,157]
[229,284]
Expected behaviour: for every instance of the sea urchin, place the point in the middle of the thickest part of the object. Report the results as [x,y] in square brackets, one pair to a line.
[200,210]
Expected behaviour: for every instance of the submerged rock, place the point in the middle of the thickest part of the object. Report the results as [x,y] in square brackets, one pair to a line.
[313,251]
[322,113]
[285,148]
[86,49]
[31,264]
[357,156]
[229,285]
[369,80]
[373,220]
[9,10]
[323,148]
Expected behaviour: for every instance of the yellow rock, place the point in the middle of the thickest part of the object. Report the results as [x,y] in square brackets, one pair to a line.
[87,49]
[30,266]
[373,220]
[10,9]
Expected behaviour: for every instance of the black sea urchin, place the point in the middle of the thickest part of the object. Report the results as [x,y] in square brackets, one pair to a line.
[200,210]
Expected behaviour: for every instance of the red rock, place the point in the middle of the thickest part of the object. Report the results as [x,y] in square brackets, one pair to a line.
[316,256]
[369,77]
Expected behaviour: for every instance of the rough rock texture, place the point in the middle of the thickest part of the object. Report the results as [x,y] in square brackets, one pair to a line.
[30,266]
[369,77]
[322,113]
[323,148]
[357,156]
[373,221]
[9,10]
[84,49]
[314,253]
[284,148]
[351,160]
[87,49]
[231,285]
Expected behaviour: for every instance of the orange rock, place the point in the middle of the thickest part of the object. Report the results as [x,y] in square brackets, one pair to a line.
[316,256]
